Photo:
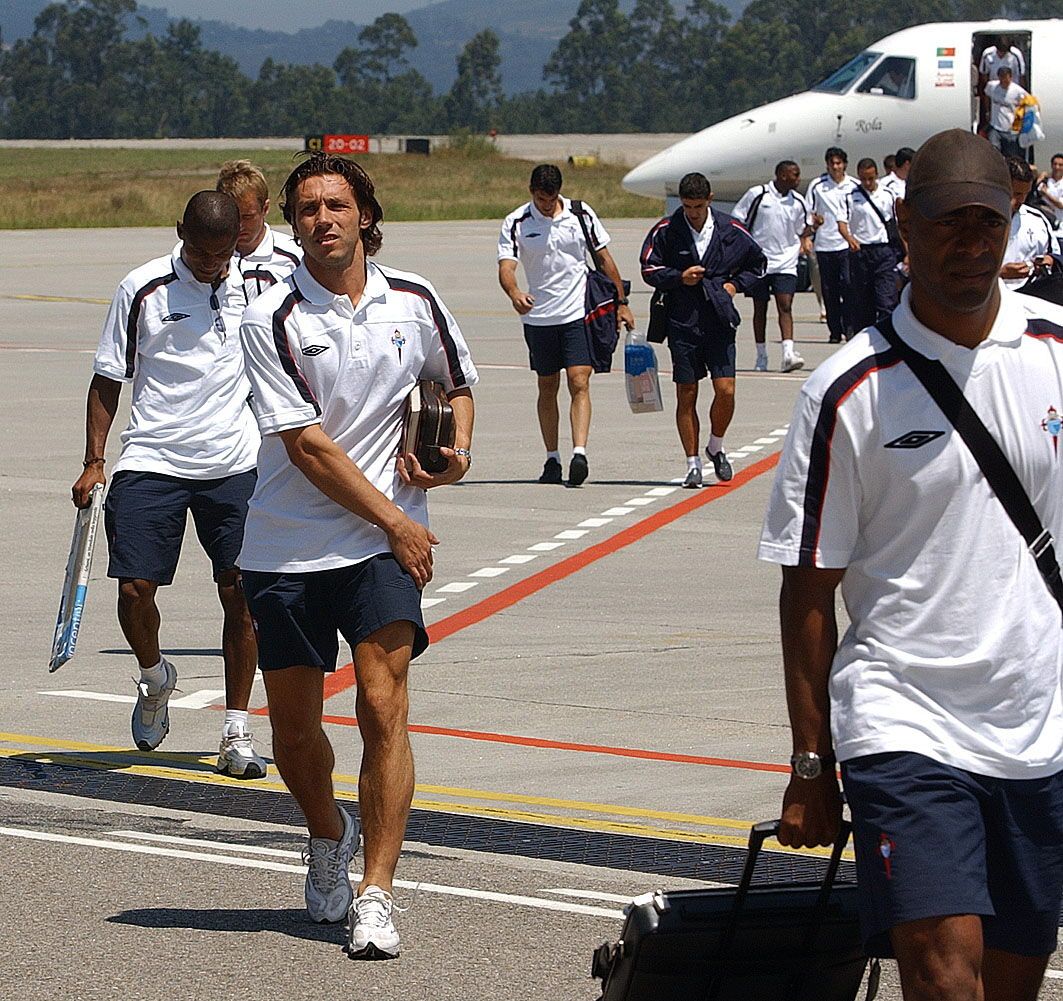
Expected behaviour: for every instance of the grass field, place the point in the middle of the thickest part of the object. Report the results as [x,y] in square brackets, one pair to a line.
[46,189]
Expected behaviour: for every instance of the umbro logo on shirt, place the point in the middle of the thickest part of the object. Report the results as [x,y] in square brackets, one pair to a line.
[174,317]
[314,349]
[914,439]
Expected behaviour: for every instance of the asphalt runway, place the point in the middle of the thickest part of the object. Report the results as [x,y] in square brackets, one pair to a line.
[601,712]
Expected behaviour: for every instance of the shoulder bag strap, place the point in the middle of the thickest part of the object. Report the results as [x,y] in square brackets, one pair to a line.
[877,211]
[991,460]
[577,208]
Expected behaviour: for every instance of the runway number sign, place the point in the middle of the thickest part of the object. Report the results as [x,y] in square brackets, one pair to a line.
[337,144]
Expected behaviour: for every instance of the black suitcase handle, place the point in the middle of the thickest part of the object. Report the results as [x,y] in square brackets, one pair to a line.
[757,836]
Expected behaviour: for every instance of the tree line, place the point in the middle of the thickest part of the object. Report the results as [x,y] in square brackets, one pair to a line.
[659,68]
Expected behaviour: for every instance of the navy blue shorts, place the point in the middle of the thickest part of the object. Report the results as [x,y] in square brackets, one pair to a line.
[297,615]
[551,349]
[763,288]
[932,840]
[146,513]
[695,356]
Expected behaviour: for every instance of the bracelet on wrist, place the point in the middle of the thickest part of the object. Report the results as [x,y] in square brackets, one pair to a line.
[95,460]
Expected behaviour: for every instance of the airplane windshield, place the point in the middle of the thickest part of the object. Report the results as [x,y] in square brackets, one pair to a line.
[840,80]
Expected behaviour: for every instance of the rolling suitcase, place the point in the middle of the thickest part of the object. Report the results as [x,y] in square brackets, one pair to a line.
[788,942]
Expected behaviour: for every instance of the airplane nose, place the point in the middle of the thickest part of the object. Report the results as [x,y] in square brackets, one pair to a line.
[649,177]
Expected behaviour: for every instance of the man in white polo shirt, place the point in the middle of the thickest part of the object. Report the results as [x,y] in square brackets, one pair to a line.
[1033,247]
[943,699]
[546,236]
[191,445]
[1005,96]
[826,201]
[778,219]
[264,256]
[873,264]
[337,533]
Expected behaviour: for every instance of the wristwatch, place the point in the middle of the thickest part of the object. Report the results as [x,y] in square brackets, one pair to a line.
[809,765]
[465,452]
[622,302]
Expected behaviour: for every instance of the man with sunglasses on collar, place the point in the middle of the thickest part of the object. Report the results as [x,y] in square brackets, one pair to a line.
[942,701]
[191,445]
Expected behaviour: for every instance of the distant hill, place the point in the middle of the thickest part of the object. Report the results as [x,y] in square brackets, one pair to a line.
[528,32]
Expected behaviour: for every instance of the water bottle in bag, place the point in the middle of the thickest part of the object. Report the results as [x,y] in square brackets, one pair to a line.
[640,374]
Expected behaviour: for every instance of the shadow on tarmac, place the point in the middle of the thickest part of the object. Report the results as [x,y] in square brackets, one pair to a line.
[291,921]
[191,651]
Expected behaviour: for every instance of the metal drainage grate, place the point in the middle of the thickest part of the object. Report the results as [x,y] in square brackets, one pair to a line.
[714,863]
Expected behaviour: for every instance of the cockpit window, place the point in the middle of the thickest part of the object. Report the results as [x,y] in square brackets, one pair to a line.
[841,79]
[893,77]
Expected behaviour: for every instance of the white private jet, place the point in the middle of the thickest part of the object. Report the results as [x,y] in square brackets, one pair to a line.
[899,92]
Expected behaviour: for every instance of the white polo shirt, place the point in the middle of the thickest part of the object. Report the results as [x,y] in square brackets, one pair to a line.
[864,224]
[702,237]
[778,225]
[1031,235]
[955,647]
[275,257]
[181,352]
[1055,189]
[827,199]
[554,255]
[992,60]
[895,185]
[1002,104]
[314,358]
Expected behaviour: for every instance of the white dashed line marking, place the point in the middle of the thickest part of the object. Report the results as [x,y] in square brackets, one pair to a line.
[765,441]
[638,501]
[616,512]
[754,448]
[571,533]
[489,572]
[545,547]
[662,491]
[594,522]
[781,432]
[457,587]
[429,602]
[519,558]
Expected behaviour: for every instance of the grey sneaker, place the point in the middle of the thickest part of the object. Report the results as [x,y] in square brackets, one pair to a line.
[791,363]
[761,364]
[151,714]
[237,756]
[723,469]
[328,888]
[372,933]
[693,480]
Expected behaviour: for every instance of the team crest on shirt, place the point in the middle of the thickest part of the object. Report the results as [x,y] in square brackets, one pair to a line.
[174,317]
[1053,424]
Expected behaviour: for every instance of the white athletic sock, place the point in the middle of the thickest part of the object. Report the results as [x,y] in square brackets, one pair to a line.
[788,348]
[579,450]
[554,455]
[154,676]
[715,445]
[235,719]
[762,350]
[693,462]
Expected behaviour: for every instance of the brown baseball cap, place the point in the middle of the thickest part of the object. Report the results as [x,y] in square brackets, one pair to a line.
[955,169]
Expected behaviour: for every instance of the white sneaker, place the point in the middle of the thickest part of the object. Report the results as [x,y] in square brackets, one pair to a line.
[151,714]
[791,363]
[372,933]
[761,364]
[237,756]
[328,888]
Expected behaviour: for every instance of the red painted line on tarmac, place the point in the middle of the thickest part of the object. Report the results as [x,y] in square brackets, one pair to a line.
[339,681]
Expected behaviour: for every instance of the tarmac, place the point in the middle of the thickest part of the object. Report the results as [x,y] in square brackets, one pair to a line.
[601,711]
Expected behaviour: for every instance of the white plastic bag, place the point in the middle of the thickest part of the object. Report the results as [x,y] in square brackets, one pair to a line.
[640,375]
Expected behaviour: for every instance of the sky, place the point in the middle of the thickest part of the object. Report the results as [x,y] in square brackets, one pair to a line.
[282,15]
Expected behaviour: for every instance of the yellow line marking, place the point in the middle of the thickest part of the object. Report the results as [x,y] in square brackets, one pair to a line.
[60,298]
[192,767]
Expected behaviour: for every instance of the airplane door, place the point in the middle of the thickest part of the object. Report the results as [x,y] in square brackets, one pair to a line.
[985,57]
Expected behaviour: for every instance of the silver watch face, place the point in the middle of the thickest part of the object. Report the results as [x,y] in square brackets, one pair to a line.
[807,765]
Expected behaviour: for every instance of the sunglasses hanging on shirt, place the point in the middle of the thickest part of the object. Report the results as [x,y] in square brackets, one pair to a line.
[219,322]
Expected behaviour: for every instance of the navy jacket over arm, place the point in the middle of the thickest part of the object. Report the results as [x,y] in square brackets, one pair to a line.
[732,256]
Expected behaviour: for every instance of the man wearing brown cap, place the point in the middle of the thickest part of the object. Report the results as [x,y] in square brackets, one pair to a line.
[942,701]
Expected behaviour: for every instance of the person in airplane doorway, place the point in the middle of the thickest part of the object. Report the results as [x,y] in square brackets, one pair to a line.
[701,259]
[873,265]
[547,237]
[942,702]
[264,255]
[1004,97]
[826,200]
[191,446]
[778,219]
[337,535]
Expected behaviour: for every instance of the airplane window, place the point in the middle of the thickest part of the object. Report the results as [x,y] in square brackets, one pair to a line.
[840,80]
[893,77]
